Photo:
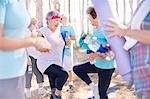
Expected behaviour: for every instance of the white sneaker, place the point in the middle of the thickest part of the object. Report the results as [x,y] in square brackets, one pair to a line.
[41,91]
[28,94]
[96,92]
[90,95]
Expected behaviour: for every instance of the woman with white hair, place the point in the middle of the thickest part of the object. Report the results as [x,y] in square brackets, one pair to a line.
[51,63]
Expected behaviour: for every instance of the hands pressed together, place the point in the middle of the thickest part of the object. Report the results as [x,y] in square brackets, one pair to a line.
[93,56]
[40,43]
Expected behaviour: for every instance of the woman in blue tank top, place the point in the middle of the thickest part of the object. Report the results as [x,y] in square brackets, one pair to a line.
[14,21]
[102,66]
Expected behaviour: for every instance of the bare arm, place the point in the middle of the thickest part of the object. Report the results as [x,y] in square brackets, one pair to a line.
[12,44]
[7,44]
[140,35]
[120,30]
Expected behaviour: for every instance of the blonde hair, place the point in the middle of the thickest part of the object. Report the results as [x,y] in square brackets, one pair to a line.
[33,21]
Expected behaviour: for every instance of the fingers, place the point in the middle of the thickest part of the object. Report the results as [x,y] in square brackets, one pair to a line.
[42,45]
[102,56]
[109,29]
[39,34]
[111,23]
[44,50]
[92,56]
[111,35]
[109,26]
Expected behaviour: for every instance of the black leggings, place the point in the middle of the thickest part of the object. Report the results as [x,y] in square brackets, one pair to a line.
[57,76]
[35,70]
[104,76]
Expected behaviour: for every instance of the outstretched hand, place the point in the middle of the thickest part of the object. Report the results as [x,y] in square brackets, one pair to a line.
[113,26]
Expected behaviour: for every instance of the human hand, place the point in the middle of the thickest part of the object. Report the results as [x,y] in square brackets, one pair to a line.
[34,33]
[102,55]
[113,26]
[92,56]
[39,34]
[41,44]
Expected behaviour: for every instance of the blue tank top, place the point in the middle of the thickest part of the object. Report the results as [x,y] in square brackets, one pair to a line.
[14,17]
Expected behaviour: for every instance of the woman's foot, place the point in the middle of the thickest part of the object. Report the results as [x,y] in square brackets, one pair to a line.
[96,92]
[53,90]
[90,95]
[53,94]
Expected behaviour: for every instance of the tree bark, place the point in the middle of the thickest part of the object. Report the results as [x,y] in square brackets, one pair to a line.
[83,16]
[39,12]
[49,5]
[56,5]
[27,4]
[69,11]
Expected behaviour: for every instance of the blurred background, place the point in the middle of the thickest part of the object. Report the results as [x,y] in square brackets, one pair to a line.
[76,11]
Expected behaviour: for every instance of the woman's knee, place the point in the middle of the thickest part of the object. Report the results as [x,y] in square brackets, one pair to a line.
[65,75]
[76,69]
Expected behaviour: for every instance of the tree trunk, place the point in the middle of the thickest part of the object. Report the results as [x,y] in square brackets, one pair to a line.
[27,4]
[124,11]
[69,10]
[88,26]
[117,7]
[39,12]
[56,5]
[49,3]
[64,5]
[83,16]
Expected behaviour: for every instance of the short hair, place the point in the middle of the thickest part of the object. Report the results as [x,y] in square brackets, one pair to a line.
[92,12]
[51,14]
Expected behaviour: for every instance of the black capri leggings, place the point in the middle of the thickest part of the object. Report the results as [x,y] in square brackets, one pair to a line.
[104,77]
[57,76]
